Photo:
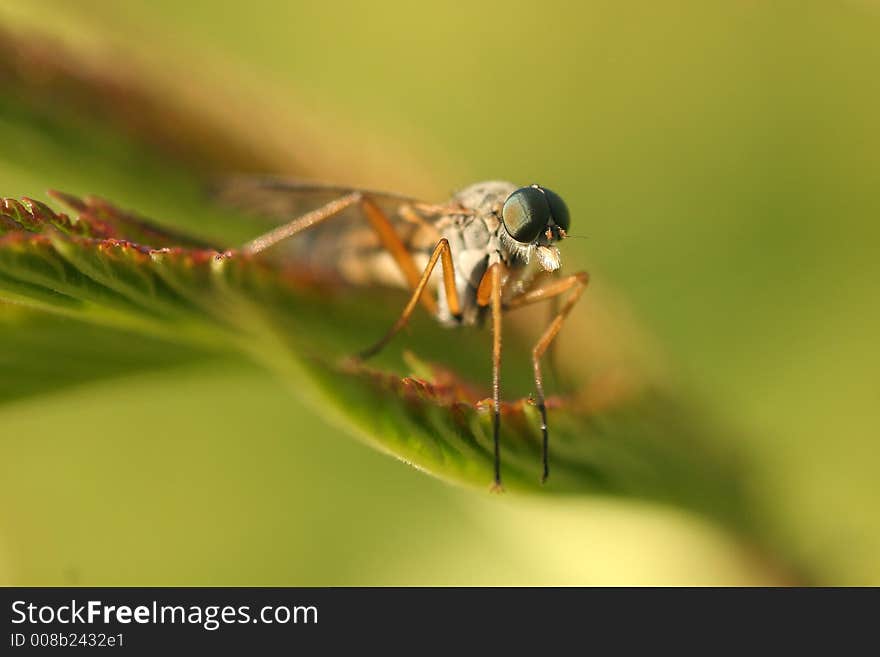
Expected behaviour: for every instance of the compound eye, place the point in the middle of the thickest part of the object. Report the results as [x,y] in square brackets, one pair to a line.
[525,214]
[558,209]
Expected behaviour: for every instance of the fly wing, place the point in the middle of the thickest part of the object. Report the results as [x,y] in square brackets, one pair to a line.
[344,243]
[288,198]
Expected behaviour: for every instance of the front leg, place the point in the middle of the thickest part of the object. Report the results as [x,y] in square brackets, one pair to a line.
[576,283]
[489,294]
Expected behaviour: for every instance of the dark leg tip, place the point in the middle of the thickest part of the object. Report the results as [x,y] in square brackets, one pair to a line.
[364,354]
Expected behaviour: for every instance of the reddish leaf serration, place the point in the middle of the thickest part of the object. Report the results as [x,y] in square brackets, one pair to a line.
[104,228]
[107,220]
[33,216]
[96,218]
[98,225]
[445,389]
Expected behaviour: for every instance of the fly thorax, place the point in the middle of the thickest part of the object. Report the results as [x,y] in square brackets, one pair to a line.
[474,237]
[484,197]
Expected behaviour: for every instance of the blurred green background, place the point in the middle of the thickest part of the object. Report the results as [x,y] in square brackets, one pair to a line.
[721,162]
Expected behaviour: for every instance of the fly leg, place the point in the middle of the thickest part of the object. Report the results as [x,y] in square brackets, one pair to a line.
[377,219]
[576,283]
[552,352]
[489,294]
[443,253]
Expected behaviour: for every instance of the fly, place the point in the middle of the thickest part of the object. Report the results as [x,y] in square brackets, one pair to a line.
[484,238]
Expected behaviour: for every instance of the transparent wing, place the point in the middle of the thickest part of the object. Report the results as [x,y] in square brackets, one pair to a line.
[344,243]
[283,199]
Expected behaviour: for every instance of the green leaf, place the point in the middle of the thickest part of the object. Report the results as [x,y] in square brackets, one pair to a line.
[41,353]
[607,438]
[136,295]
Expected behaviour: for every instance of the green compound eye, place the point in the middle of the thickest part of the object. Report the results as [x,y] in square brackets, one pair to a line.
[558,209]
[525,214]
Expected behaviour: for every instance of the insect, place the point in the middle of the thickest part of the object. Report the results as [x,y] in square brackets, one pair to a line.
[488,239]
